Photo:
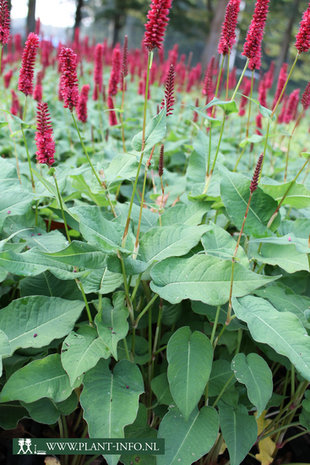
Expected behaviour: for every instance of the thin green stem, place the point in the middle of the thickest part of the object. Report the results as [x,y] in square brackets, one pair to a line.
[240,79]
[149,65]
[217,315]
[250,106]
[219,144]
[227,75]
[223,390]
[146,308]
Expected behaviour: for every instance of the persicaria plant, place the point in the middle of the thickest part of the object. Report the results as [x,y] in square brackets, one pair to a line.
[154,249]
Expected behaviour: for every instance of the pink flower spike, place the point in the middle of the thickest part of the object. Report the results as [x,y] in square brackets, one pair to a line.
[115,71]
[169,92]
[44,136]
[4,22]
[289,238]
[253,43]
[25,83]
[98,71]
[112,114]
[305,99]
[228,35]
[303,37]
[82,104]
[281,82]
[155,28]
[69,80]
[292,105]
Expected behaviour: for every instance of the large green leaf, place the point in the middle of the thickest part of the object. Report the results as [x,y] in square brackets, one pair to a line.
[14,202]
[187,440]
[220,243]
[297,197]
[81,351]
[203,278]
[79,254]
[5,348]
[40,378]
[33,262]
[239,431]
[282,331]
[35,321]
[98,230]
[43,411]
[188,354]
[111,322]
[284,255]
[190,214]
[235,192]
[285,300]
[220,374]
[169,241]
[11,413]
[154,132]
[121,167]
[103,281]
[110,400]
[160,387]
[254,372]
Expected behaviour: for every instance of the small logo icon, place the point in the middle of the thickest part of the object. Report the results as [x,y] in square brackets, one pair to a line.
[24,446]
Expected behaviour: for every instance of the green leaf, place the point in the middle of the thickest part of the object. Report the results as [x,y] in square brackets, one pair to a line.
[254,372]
[297,197]
[5,348]
[35,321]
[14,202]
[188,214]
[81,351]
[110,400]
[188,354]
[284,255]
[47,284]
[304,417]
[221,244]
[229,106]
[155,131]
[169,241]
[187,441]
[122,167]
[235,192]
[40,378]
[251,140]
[103,281]
[43,411]
[97,230]
[10,414]
[220,374]
[239,431]
[285,300]
[282,331]
[160,387]
[111,322]
[79,254]
[203,278]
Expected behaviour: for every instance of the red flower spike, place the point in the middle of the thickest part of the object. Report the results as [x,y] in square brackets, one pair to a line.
[281,82]
[259,124]
[253,43]
[292,105]
[254,182]
[125,57]
[161,161]
[15,107]
[262,92]
[207,89]
[98,71]
[195,116]
[155,28]
[25,83]
[44,136]
[283,111]
[7,78]
[4,22]
[305,99]
[112,114]
[81,108]
[37,93]
[228,35]
[169,92]
[246,91]
[303,37]
[269,75]
[69,80]
[115,71]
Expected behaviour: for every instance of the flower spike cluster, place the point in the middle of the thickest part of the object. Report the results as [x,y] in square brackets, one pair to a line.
[81,108]
[303,37]
[305,99]
[254,182]
[157,22]
[228,35]
[253,43]
[25,82]
[169,92]
[98,71]
[4,22]
[44,136]
[69,80]
[281,83]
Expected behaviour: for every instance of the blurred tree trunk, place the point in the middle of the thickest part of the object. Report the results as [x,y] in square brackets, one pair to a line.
[119,19]
[31,16]
[78,14]
[286,39]
[215,31]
